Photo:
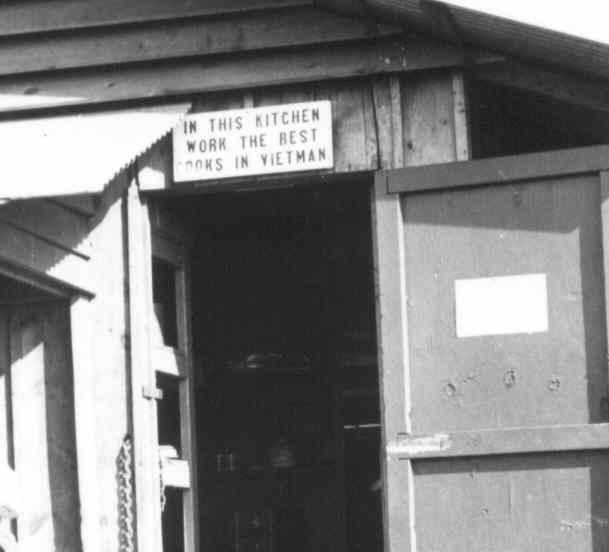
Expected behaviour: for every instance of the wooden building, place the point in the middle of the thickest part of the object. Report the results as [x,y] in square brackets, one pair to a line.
[404,349]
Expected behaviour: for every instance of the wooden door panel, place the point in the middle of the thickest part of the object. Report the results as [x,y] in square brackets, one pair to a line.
[496,438]
[540,502]
[551,227]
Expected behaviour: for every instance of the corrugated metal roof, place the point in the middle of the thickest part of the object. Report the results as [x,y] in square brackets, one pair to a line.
[78,154]
[495,33]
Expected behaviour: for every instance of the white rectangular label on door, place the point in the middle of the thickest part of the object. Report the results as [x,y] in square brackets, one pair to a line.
[501,305]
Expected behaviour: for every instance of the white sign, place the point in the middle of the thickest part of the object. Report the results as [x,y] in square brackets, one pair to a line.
[247,142]
[501,305]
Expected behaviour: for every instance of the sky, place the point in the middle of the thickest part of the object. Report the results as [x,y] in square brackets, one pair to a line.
[584,18]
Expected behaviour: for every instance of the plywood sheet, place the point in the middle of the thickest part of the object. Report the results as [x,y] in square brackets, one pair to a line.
[549,227]
[525,503]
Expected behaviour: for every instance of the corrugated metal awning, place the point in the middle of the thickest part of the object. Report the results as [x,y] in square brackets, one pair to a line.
[77,154]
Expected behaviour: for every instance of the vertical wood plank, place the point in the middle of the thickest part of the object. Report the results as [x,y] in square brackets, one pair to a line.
[354,133]
[395,95]
[35,525]
[428,119]
[145,432]
[392,329]
[386,94]
[6,454]
[81,326]
[460,118]
[109,365]
[187,407]
[604,198]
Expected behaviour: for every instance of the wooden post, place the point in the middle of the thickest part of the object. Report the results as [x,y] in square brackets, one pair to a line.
[143,380]
[81,326]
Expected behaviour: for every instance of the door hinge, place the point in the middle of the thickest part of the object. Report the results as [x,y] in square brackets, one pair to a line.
[152,393]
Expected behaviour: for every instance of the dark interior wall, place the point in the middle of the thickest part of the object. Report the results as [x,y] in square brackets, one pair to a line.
[508,121]
[286,272]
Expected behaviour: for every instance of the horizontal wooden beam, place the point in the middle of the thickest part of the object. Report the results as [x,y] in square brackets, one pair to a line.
[191,76]
[35,16]
[498,170]
[502,441]
[193,37]
[559,86]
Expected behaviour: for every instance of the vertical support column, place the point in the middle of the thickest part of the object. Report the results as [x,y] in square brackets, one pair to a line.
[187,406]
[145,431]
[81,321]
[604,193]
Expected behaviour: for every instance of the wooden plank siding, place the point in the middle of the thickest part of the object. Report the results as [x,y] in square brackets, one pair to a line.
[240,32]
[21,94]
[378,123]
[36,16]
[47,239]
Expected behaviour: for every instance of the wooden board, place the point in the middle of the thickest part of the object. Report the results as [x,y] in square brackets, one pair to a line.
[62,15]
[51,222]
[241,32]
[496,439]
[252,70]
[43,430]
[497,170]
[6,438]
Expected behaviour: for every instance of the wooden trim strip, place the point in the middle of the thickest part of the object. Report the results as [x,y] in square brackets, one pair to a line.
[44,283]
[393,362]
[501,441]
[498,170]
[171,40]
[36,16]
[144,418]
[30,93]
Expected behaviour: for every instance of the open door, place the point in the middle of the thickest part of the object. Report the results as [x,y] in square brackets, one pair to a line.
[162,383]
[492,309]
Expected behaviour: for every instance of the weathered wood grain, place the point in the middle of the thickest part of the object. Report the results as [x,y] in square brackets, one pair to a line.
[242,32]
[37,16]
[428,119]
[388,112]
[222,73]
